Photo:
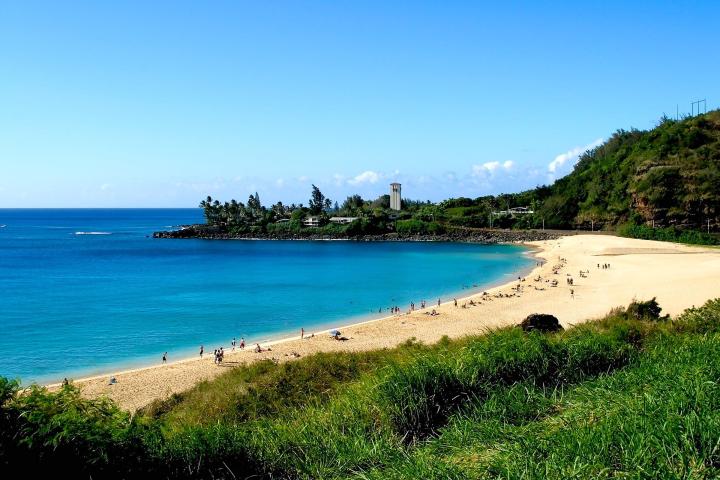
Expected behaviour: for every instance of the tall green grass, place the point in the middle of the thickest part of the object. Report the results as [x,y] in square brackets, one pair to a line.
[620,397]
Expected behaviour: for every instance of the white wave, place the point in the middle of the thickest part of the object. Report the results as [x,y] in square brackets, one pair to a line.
[93,233]
[3,226]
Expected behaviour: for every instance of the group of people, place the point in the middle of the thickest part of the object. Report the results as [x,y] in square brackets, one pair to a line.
[423,304]
[219,353]
[605,266]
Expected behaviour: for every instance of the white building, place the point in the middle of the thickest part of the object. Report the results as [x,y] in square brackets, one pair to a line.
[343,220]
[515,211]
[312,222]
[395,197]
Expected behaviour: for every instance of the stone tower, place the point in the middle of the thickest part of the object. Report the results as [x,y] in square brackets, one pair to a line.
[395,198]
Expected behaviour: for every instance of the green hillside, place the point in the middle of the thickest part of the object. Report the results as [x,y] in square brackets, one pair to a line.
[634,395]
[670,174]
[667,177]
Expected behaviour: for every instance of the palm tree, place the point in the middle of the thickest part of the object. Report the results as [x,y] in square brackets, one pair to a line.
[206,205]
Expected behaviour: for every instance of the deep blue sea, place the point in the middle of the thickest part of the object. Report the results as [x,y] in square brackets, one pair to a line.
[89,291]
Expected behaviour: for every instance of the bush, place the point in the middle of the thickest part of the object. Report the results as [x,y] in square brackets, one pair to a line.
[541,322]
[669,234]
[648,310]
[418,227]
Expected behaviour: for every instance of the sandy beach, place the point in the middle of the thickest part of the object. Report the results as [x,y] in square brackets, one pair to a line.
[679,276]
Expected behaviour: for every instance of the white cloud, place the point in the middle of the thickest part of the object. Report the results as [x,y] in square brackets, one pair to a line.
[367,176]
[572,155]
[280,182]
[491,168]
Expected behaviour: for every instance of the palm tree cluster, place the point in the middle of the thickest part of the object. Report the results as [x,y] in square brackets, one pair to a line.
[253,213]
[234,213]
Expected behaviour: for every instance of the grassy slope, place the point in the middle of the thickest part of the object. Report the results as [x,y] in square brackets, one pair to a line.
[618,397]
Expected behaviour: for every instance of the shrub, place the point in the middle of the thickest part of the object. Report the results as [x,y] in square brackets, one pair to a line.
[648,310]
[418,227]
[669,234]
[541,322]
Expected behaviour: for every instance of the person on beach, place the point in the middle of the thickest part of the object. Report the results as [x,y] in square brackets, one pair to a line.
[233,344]
[455,301]
[242,343]
[572,293]
[438,302]
[165,357]
[202,349]
[302,333]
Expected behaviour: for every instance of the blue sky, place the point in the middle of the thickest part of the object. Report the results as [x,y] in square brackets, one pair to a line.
[157,104]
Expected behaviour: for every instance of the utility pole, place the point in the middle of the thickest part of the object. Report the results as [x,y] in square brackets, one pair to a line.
[698,102]
[708,220]
[543,224]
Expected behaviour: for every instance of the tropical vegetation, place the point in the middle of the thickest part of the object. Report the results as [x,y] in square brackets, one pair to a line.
[634,395]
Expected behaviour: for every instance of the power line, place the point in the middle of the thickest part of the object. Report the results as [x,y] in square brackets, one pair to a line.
[698,102]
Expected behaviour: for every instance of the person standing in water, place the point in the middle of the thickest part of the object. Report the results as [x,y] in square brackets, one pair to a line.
[165,357]
[202,349]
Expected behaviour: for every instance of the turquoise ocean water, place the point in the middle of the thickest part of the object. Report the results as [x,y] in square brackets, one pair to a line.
[88,291]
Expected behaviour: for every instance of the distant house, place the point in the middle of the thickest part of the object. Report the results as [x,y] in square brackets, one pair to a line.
[311,221]
[520,210]
[515,211]
[343,220]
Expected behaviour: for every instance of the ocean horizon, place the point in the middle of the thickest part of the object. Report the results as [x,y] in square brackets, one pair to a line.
[89,291]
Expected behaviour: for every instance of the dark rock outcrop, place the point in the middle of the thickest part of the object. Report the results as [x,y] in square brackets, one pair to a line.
[459,235]
[541,322]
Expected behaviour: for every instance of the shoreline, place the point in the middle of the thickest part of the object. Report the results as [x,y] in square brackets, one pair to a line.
[282,337]
[678,276]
